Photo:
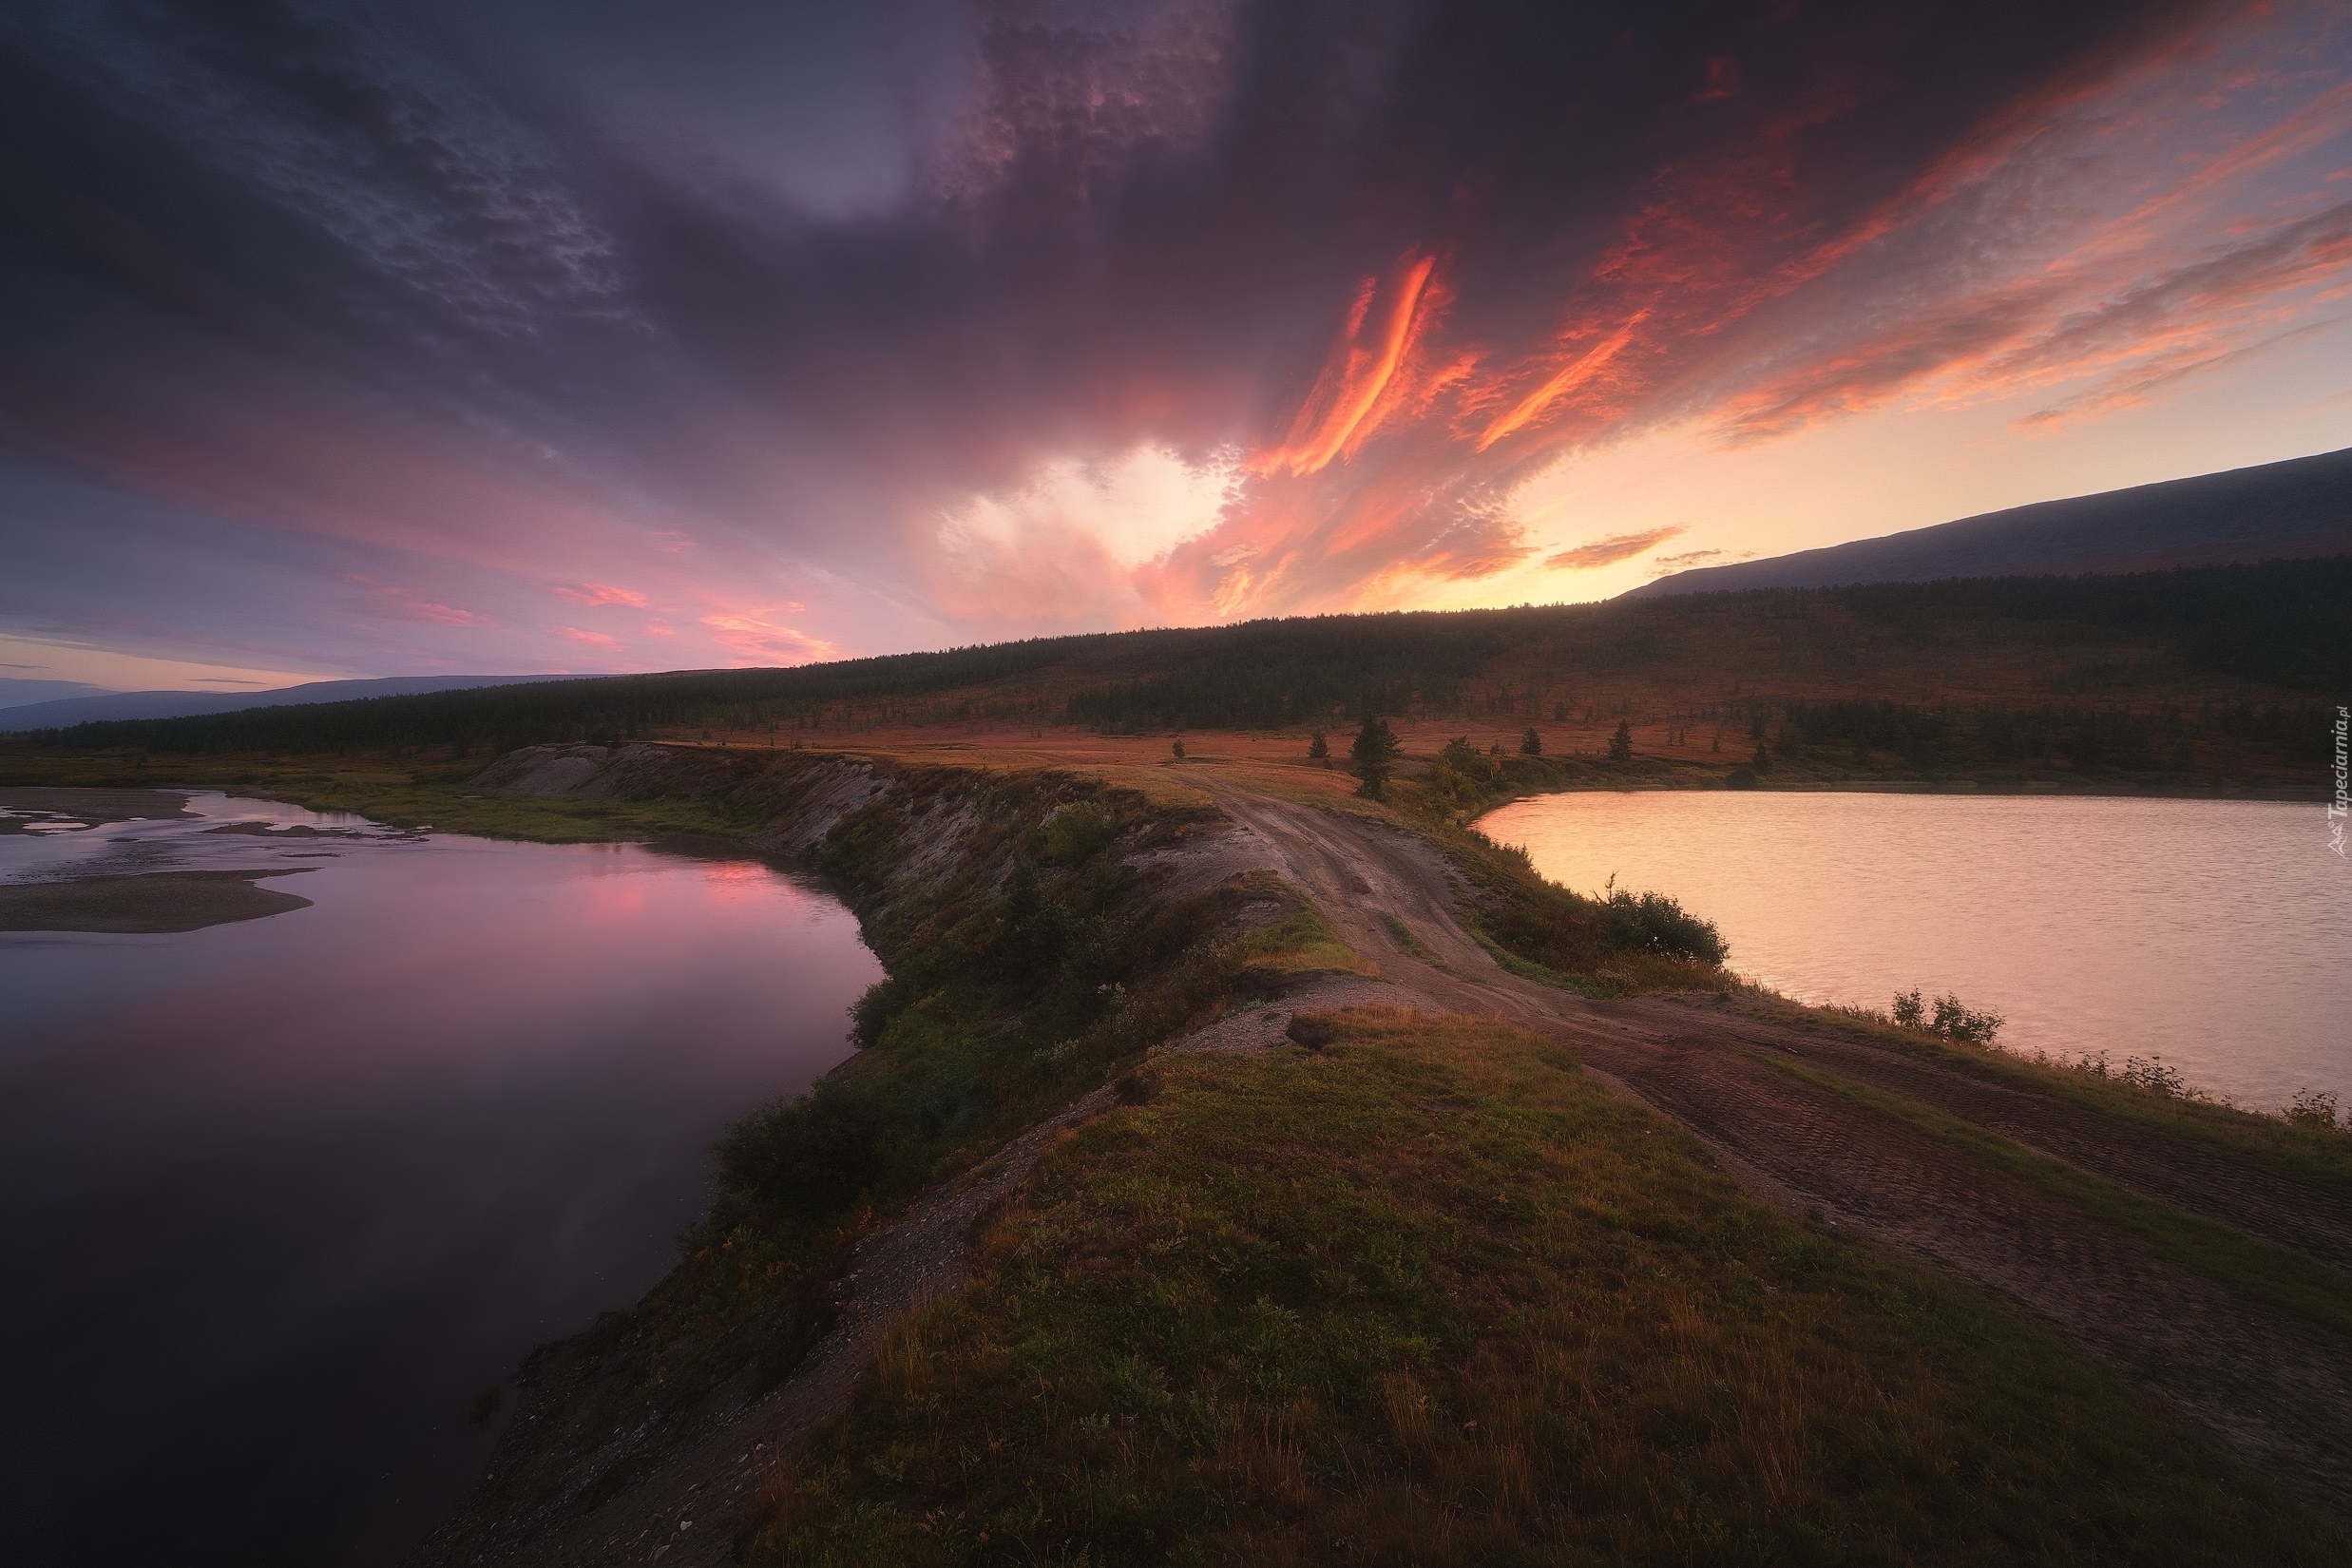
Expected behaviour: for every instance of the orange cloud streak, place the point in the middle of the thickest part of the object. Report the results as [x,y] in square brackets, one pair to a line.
[756,639]
[1576,374]
[595,595]
[1350,386]
[1607,553]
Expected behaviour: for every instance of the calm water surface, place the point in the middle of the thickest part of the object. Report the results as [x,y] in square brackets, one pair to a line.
[281,1199]
[2215,933]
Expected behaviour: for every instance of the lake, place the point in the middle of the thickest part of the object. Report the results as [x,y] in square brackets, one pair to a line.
[2214,933]
[282,1197]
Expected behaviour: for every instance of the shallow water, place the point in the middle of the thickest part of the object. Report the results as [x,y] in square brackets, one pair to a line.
[281,1199]
[2214,933]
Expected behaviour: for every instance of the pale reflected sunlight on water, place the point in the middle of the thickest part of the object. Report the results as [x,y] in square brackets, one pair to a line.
[282,1198]
[2215,933]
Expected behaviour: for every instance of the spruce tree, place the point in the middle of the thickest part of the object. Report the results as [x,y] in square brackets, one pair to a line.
[1375,752]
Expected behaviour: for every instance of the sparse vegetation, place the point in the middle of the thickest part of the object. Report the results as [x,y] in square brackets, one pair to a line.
[1949,1018]
[2313,1109]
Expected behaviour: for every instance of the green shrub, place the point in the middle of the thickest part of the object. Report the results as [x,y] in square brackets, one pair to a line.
[1947,1016]
[1655,922]
[1077,832]
[1966,1024]
[2313,1108]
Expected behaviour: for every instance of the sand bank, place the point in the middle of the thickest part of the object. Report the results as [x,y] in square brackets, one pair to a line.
[159,901]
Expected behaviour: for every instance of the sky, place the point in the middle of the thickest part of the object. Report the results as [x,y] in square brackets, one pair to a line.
[514,335]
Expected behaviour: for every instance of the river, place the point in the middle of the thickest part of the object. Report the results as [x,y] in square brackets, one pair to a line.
[281,1198]
[2216,934]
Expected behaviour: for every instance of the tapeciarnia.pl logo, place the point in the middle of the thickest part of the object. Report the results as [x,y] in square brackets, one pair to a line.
[2337,807]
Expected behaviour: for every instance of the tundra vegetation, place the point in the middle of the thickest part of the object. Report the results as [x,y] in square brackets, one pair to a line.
[1424,1292]
[1426,1295]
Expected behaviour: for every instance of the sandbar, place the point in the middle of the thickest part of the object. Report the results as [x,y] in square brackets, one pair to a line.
[156,901]
[95,806]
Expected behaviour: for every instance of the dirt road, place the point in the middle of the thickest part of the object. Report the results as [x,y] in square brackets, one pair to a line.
[2271,1384]
[2274,1385]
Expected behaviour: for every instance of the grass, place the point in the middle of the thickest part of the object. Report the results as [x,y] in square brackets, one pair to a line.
[1407,941]
[1431,1296]
[2259,1270]
[1299,945]
[1428,1296]
[1528,969]
[2308,1152]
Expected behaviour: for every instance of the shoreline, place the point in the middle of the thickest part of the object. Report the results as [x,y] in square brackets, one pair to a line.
[1405,903]
[2279,795]
[709,1492]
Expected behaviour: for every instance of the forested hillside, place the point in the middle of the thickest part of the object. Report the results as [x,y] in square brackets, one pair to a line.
[2137,671]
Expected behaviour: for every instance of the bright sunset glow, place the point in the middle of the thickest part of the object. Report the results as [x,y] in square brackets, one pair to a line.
[338,349]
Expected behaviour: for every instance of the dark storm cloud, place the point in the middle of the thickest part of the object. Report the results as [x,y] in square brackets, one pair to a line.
[379,275]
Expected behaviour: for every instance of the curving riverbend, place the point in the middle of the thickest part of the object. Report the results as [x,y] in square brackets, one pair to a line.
[287,1193]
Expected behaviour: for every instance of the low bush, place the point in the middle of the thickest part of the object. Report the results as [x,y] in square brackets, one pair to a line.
[1655,922]
[2314,1109]
[1946,1016]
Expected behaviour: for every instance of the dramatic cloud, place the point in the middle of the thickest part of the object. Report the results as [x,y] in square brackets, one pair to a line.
[1624,547]
[376,337]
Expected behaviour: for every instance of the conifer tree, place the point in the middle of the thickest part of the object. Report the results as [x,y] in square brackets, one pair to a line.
[1375,752]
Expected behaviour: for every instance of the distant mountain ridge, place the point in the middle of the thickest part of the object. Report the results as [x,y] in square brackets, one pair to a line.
[18,693]
[2297,508]
[66,712]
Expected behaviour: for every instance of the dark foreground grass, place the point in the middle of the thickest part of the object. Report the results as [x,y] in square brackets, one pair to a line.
[1429,1296]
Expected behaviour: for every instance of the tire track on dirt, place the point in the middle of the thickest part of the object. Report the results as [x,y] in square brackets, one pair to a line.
[2187,1173]
[2274,1387]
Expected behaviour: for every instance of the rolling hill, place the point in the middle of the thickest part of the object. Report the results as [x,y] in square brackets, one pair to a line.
[99,707]
[2286,511]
